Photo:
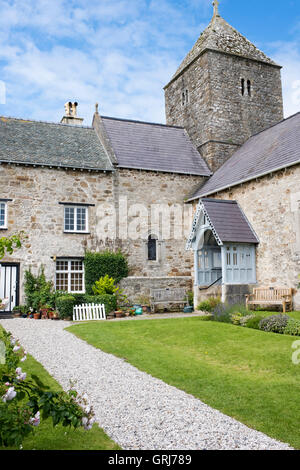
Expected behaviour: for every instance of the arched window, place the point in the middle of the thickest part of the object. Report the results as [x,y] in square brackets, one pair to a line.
[183,98]
[243,86]
[249,87]
[152,248]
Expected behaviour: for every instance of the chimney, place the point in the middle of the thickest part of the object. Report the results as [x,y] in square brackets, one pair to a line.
[70,116]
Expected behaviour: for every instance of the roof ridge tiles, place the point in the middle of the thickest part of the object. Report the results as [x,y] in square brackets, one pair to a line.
[141,122]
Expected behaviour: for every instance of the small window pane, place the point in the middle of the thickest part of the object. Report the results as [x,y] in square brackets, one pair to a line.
[81,219]
[69,218]
[2,214]
[62,281]
[76,282]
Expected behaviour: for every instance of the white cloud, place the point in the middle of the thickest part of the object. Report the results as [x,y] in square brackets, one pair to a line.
[287,54]
[119,53]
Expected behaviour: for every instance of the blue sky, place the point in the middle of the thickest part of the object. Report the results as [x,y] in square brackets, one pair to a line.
[121,53]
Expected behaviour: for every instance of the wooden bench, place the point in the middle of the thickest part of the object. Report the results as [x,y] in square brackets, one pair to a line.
[271,296]
[168,296]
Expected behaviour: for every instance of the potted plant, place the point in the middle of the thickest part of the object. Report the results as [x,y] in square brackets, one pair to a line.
[144,302]
[55,316]
[17,312]
[118,313]
[37,315]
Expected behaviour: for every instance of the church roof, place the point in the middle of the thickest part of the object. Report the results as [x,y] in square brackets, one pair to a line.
[146,146]
[50,144]
[271,150]
[222,37]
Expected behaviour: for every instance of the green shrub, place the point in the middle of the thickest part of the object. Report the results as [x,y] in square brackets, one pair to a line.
[275,323]
[105,285]
[236,318]
[209,304]
[293,327]
[109,301]
[253,321]
[64,305]
[97,265]
[38,291]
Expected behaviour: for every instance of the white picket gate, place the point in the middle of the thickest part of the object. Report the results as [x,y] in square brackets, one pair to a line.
[87,312]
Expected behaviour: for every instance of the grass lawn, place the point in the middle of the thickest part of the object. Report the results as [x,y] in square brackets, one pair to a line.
[46,437]
[247,374]
[295,315]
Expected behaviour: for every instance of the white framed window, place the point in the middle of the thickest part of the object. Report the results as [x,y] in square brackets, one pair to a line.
[76,219]
[70,276]
[3,215]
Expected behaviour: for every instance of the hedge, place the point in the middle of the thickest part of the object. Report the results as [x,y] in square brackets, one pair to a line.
[97,265]
[66,303]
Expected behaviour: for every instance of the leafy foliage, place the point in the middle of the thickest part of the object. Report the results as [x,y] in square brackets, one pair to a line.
[98,265]
[39,291]
[66,302]
[9,244]
[293,327]
[275,323]
[209,305]
[253,321]
[25,402]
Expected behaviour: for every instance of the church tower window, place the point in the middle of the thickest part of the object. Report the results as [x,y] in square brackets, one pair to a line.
[249,87]
[243,86]
[152,248]
[185,97]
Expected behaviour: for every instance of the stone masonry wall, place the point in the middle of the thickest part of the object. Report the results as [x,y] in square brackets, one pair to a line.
[149,189]
[35,194]
[272,205]
[35,208]
[218,118]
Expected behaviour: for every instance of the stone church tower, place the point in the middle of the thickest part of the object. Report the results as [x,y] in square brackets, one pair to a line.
[224,91]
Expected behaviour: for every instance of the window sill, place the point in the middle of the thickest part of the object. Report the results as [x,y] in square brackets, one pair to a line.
[77,233]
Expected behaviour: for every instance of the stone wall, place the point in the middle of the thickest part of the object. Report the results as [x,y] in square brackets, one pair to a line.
[35,194]
[149,189]
[218,118]
[272,205]
[135,287]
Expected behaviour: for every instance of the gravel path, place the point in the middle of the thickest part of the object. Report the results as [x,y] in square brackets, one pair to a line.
[135,410]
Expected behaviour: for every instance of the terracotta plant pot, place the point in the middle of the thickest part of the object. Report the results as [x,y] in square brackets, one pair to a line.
[119,314]
[36,316]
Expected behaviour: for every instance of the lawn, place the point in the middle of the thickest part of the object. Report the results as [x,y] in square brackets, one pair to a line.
[46,437]
[247,374]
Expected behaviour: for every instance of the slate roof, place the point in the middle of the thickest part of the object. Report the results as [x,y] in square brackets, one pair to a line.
[157,147]
[229,221]
[221,36]
[49,144]
[271,150]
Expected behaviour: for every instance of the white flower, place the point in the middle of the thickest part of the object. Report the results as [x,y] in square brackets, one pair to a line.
[84,421]
[18,370]
[23,358]
[16,348]
[87,409]
[36,420]
[22,376]
[10,395]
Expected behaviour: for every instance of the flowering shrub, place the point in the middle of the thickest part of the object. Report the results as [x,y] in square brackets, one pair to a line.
[275,323]
[292,328]
[24,402]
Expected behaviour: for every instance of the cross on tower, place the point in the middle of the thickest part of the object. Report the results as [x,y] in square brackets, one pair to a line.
[216,4]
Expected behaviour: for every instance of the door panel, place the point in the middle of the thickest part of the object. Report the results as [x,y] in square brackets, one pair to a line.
[9,280]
